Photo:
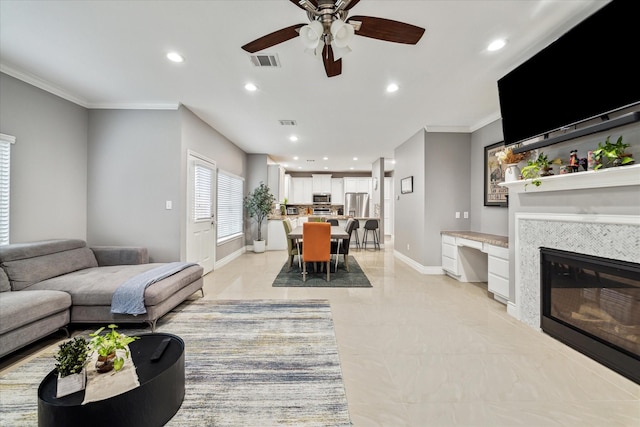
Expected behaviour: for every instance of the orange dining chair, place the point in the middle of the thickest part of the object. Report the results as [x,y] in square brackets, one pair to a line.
[317,245]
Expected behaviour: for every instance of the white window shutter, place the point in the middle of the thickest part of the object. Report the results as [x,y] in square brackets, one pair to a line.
[5,177]
[230,206]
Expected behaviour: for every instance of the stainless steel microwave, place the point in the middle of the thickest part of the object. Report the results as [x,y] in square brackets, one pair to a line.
[322,198]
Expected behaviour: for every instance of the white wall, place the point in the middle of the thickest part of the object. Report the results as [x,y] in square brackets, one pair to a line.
[48,162]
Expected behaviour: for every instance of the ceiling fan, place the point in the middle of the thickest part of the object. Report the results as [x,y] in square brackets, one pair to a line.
[329,32]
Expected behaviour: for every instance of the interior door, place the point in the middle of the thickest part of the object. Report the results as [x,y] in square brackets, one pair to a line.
[201,221]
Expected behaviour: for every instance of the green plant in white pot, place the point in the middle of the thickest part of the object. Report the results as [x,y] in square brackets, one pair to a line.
[259,204]
[71,360]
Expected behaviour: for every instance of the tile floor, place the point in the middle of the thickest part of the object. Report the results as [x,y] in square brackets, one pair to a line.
[421,350]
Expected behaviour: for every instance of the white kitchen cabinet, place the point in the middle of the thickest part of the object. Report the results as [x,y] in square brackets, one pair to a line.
[321,183]
[337,191]
[357,185]
[302,191]
[287,187]
[449,254]
[275,181]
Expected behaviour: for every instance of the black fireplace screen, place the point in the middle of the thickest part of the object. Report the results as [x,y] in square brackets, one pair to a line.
[593,304]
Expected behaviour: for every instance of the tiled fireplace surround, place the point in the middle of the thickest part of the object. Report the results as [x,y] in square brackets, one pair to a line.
[594,213]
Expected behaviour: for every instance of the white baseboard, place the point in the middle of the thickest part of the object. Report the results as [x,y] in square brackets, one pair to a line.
[226,260]
[513,310]
[428,270]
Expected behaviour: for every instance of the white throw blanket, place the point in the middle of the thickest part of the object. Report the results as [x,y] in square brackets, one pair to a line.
[129,297]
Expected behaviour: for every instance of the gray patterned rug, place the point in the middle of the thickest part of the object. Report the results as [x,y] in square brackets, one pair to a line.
[341,278]
[247,363]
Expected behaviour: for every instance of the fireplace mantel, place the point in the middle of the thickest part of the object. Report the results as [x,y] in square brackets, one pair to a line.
[611,177]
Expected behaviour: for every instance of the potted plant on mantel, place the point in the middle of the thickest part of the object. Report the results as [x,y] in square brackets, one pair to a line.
[71,360]
[615,154]
[259,204]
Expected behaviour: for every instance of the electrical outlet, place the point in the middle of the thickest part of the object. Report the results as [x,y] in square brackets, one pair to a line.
[408,247]
[466,215]
[457,215]
[168,205]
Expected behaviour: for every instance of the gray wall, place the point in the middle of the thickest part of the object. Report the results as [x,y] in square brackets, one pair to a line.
[48,162]
[201,138]
[134,167]
[485,219]
[440,166]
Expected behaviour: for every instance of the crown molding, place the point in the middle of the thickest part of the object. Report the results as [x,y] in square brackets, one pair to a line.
[48,87]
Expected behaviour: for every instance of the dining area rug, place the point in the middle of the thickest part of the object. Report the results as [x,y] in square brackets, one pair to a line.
[247,363]
[340,278]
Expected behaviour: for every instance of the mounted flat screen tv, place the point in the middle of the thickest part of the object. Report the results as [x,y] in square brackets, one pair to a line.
[587,73]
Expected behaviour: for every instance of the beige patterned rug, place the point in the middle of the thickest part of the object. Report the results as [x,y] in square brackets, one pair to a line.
[247,363]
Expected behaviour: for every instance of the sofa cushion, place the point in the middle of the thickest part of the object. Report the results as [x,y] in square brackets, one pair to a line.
[22,308]
[29,263]
[5,286]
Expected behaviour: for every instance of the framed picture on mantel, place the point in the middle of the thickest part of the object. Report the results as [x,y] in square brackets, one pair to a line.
[494,195]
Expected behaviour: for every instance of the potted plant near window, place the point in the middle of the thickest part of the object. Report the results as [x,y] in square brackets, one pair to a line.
[71,360]
[107,346]
[259,204]
[615,154]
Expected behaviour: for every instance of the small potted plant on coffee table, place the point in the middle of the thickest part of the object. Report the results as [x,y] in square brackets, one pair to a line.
[71,360]
[107,346]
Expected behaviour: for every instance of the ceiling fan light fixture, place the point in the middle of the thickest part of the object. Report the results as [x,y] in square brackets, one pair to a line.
[311,34]
[339,52]
[341,33]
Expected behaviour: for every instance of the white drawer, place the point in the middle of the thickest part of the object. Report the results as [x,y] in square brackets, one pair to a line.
[470,243]
[498,285]
[497,251]
[498,266]
[448,239]
[450,265]
[449,251]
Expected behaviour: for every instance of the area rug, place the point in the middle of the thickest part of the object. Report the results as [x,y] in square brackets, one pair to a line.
[354,278]
[247,363]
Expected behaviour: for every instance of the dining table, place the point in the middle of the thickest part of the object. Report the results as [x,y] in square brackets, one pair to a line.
[337,233]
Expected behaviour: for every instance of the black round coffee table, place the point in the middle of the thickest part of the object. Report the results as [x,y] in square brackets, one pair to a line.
[154,403]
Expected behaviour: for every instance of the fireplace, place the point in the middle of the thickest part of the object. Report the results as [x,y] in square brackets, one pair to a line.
[592,304]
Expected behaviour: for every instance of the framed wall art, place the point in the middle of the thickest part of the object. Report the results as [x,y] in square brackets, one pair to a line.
[406,185]
[494,195]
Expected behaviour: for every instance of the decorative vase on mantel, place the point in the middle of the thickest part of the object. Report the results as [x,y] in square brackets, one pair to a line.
[512,172]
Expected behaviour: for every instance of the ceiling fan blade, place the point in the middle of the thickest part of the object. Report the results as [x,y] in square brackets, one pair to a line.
[333,68]
[272,39]
[297,3]
[388,30]
[353,3]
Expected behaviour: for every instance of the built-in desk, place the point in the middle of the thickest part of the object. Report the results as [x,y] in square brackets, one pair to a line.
[469,256]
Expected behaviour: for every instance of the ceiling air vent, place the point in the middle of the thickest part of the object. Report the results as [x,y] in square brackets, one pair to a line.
[265,60]
[288,122]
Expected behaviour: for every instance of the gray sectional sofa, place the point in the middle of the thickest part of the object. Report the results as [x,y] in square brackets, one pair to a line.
[46,285]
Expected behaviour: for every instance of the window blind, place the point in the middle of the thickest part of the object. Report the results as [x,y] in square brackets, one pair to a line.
[230,206]
[5,175]
[203,178]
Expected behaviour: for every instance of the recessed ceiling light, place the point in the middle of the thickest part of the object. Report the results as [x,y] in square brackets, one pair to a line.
[175,57]
[351,168]
[299,167]
[325,158]
[496,45]
[326,167]
[392,88]
[293,138]
[285,165]
[355,158]
[251,87]
[295,157]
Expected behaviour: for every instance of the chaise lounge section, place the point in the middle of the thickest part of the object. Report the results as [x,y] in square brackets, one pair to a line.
[56,282]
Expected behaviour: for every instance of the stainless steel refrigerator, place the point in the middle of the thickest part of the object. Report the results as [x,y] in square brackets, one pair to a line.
[356,204]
